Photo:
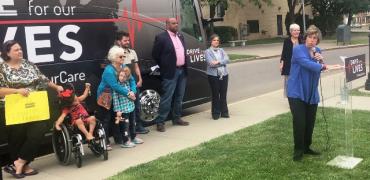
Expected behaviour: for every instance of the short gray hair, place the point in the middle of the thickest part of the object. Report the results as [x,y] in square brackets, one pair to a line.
[293,26]
[114,52]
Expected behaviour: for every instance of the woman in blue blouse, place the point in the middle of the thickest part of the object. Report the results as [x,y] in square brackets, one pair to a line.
[109,82]
[302,92]
[218,77]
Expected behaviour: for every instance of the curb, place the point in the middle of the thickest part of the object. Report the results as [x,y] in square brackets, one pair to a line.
[273,56]
[364,91]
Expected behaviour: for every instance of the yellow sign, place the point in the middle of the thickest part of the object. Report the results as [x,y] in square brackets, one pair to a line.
[20,109]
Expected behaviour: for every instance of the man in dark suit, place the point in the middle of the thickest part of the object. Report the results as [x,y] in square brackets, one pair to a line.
[169,53]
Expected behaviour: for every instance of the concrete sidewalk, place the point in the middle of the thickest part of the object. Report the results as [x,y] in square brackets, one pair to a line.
[202,128]
[274,50]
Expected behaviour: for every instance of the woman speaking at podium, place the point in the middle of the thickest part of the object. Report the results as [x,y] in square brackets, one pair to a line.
[302,92]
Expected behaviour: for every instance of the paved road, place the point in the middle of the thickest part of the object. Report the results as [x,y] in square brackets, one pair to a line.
[252,78]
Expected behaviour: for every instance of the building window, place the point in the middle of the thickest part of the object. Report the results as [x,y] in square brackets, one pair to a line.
[254,26]
[220,10]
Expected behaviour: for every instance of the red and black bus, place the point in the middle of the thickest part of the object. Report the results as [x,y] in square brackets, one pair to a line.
[69,40]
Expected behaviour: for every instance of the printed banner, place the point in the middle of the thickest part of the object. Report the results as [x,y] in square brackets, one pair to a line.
[355,67]
[20,109]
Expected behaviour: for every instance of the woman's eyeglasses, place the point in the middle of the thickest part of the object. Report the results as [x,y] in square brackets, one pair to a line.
[121,57]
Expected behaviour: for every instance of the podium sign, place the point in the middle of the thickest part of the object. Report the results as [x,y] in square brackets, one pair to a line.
[355,67]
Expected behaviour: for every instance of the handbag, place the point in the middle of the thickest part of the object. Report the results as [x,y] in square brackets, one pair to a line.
[105,99]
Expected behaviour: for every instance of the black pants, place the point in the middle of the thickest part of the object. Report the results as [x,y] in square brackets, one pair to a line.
[304,116]
[219,92]
[25,139]
[4,151]
[128,130]
[105,116]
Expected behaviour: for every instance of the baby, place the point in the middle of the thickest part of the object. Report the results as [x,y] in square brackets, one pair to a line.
[71,104]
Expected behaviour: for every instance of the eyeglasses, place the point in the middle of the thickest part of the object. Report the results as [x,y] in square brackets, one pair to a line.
[121,57]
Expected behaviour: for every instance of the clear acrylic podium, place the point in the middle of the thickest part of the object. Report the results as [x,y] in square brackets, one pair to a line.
[346,158]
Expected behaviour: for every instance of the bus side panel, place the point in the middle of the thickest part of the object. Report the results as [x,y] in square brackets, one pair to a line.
[69,42]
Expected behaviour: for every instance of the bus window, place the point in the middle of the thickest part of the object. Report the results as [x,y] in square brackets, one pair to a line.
[189,21]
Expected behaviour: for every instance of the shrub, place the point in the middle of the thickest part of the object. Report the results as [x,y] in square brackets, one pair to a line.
[226,33]
[327,24]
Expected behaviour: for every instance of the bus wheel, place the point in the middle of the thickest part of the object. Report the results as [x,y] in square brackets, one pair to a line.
[149,105]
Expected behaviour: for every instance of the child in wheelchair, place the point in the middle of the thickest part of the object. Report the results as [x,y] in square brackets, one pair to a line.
[71,105]
[124,107]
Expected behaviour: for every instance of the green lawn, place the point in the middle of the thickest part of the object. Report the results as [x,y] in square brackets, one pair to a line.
[264,151]
[265,41]
[240,56]
[360,41]
[356,92]
[356,37]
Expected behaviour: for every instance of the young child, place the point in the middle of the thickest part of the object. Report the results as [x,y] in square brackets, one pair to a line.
[124,107]
[71,104]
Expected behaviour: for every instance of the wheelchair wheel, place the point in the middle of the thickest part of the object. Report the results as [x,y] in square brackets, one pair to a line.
[105,151]
[102,144]
[78,150]
[78,158]
[105,155]
[62,145]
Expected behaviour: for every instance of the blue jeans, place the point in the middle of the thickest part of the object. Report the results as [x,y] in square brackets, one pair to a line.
[174,90]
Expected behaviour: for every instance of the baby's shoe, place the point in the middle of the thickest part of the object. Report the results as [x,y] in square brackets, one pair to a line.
[128,144]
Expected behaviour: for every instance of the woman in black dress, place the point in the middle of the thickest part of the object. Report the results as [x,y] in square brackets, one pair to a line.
[286,54]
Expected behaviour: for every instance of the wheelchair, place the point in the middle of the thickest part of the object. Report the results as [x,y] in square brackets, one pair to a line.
[68,143]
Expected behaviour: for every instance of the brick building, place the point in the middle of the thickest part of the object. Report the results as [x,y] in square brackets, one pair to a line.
[253,22]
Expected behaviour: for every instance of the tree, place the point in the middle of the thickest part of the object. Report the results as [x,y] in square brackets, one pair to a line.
[224,4]
[292,16]
[328,14]
[351,7]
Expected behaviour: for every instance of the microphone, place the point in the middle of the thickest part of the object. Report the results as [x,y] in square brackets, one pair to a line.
[314,53]
[313,50]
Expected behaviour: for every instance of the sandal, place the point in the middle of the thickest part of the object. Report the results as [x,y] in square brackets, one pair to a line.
[33,172]
[10,168]
[109,147]
[15,175]
[18,176]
